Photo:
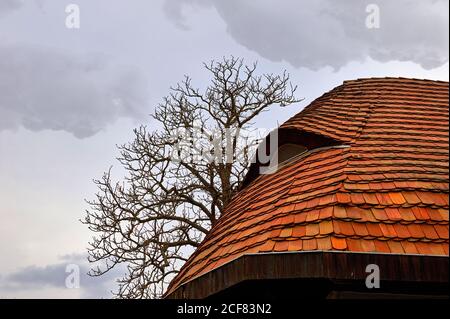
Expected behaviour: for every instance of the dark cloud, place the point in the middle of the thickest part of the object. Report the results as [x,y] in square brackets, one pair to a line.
[319,33]
[42,88]
[54,275]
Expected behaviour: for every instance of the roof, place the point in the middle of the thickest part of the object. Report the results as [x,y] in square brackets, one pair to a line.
[383,190]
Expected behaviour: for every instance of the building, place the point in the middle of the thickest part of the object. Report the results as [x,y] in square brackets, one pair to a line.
[364,182]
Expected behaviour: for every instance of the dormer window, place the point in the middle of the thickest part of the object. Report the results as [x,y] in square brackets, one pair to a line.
[288,151]
[281,157]
[292,144]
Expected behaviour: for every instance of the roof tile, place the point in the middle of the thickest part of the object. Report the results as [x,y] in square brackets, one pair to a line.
[360,229]
[409,247]
[281,245]
[442,231]
[416,231]
[379,214]
[340,212]
[326,227]
[397,198]
[354,244]
[374,229]
[393,213]
[343,198]
[402,231]
[267,246]
[326,212]
[430,232]
[382,246]
[368,245]
[309,244]
[338,243]
[411,198]
[299,231]
[295,245]
[395,247]
[388,230]
[324,243]
[312,229]
[286,232]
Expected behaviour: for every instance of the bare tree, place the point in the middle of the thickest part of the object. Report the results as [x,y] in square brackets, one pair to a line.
[180,177]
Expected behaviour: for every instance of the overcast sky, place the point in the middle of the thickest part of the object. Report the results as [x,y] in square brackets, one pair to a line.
[68,96]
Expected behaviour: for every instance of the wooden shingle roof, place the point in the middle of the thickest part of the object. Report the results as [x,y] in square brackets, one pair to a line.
[383,190]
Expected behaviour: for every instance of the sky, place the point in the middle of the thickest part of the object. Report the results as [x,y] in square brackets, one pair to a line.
[68,96]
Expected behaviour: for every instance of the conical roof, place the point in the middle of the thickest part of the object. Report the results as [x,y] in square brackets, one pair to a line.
[382,188]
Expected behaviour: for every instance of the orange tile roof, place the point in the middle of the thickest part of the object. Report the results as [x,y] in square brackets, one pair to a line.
[386,192]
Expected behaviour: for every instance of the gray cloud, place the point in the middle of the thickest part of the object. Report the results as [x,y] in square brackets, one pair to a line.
[42,88]
[54,275]
[174,10]
[9,5]
[319,33]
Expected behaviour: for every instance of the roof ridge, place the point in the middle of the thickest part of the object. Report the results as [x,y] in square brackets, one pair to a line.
[392,78]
